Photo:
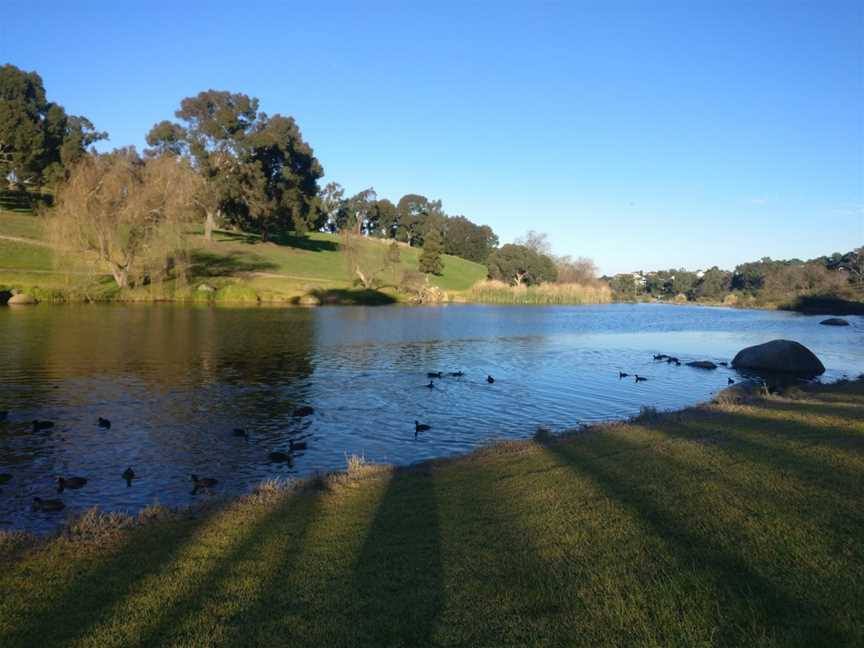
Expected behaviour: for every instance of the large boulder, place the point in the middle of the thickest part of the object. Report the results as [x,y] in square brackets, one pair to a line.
[22,299]
[779,356]
[834,321]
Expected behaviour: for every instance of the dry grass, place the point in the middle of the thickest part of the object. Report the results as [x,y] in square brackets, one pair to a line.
[498,292]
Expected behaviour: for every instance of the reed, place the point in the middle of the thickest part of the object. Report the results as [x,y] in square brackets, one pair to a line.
[498,292]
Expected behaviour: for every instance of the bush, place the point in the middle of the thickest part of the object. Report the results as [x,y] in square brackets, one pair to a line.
[498,292]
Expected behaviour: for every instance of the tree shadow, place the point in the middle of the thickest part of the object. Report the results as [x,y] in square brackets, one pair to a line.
[398,577]
[826,305]
[207,264]
[286,239]
[751,600]
[348,297]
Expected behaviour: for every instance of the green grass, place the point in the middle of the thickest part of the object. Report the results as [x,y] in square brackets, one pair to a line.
[724,525]
[275,272]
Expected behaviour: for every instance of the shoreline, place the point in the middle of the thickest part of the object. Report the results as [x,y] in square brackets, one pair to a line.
[722,524]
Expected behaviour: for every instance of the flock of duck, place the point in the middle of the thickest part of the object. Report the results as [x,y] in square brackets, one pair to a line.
[199,483]
[276,456]
[672,360]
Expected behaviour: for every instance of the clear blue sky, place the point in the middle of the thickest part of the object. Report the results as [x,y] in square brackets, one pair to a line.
[642,134]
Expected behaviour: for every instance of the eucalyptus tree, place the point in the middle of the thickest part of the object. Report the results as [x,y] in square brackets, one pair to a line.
[258,170]
[39,141]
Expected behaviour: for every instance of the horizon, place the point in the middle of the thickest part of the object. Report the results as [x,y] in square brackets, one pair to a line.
[627,134]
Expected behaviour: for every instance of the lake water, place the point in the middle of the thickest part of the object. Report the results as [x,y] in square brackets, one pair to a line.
[175,381]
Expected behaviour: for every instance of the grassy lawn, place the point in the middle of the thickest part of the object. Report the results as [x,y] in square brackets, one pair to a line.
[272,271]
[724,525]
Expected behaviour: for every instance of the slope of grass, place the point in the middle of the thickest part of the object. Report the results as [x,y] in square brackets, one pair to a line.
[281,271]
[723,525]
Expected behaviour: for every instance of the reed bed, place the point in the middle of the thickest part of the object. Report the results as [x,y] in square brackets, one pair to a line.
[498,292]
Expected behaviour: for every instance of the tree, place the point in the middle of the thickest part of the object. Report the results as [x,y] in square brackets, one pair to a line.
[714,284]
[411,211]
[430,260]
[536,241]
[258,170]
[580,271]
[518,264]
[39,142]
[465,239]
[392,259]
[331,200]
[116,209]
[386,218]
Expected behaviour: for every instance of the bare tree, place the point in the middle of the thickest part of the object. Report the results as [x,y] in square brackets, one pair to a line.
[121,212]
[536,241]
[580,270]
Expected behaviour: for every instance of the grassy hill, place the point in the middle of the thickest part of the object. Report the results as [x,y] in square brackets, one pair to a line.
[239,266]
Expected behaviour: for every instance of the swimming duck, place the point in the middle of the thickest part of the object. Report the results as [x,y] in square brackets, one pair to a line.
[640,378]
[203,482]
[240,432]
[729,381]
[421,427]
[128,475]
[433,374]
[5,478]
[279,457]
[621,375]
[490,379]
[303,410]
[457,374]
[293,445]
[47,505]
[42,425]
[104,423]
[431,385]
[73,483]
[660,356]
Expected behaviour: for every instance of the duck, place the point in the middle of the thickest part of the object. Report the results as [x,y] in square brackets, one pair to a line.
[128,475]
[203,482]
[42,425]
[4,414]
[104,423]
[723,363]
[5,478]
[303,410]
[729,381]
[457,374]
[433,374]
[48,505]
[621,375]
[660,356]
[640,378]
[293,445]
[490,379]
[279,457]
[240,432]
[421,427]
[73,483]
[672,360]
[431,385]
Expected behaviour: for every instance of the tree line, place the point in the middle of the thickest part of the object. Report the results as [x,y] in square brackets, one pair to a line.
[764,281]
[223,162]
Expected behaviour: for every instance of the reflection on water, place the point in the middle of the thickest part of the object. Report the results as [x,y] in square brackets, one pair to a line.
[175,382]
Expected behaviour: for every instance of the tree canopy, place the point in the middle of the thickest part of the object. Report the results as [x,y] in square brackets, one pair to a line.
[518,264]
[39,141]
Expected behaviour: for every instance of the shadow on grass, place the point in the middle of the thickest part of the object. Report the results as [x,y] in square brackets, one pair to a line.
[349,297]
[827,305]
[287,240]
[753,597]
[398,575]
[207,264]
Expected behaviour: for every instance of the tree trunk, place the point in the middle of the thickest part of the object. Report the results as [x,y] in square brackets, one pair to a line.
[120,273]
[209,225]
[519,277]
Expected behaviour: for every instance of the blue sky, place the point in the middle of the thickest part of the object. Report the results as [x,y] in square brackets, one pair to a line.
[642,134]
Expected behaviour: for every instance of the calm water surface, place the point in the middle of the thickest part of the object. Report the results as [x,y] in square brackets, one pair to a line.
[175,381]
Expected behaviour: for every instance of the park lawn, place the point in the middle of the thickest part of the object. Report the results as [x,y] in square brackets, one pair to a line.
[722,525]
[22,224]
[282,272]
